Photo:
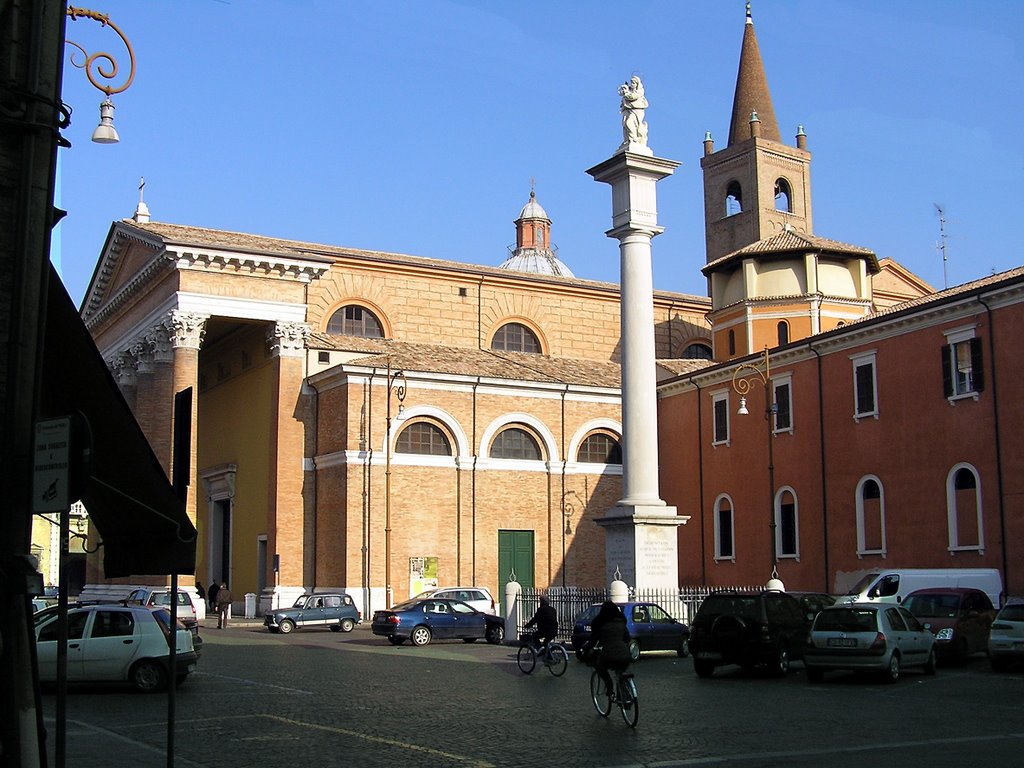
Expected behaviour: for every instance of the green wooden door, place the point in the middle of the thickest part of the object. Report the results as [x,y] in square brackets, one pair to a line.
[515,556]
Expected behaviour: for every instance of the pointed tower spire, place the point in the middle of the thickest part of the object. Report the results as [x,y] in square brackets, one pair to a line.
[752,93]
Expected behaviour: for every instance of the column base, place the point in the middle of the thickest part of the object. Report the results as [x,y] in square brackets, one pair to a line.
[641,545]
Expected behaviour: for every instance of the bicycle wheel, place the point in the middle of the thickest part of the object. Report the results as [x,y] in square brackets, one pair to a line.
[558,660]
[600,694]
[526,658]
[629,704]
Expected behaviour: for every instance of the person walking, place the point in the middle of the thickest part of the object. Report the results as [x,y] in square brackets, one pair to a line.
[608,646]
[211,595]
[224,605]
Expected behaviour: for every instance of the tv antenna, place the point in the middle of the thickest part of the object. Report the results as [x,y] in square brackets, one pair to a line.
[941,245]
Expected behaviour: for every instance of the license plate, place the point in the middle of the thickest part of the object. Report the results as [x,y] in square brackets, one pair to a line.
[841,642]
[709,655]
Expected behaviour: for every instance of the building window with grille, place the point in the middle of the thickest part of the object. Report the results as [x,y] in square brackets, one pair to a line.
[697,351]
[720,407]
[782,397]
[354,320]
[424,439]
[725,543]
[870,517]
[865,387]
[600,448]
[515,337]
[963,509]
[515,443]
[962,372]
[787,528]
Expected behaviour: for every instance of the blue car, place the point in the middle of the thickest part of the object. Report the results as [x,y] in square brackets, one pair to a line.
[650,629]
[422,620]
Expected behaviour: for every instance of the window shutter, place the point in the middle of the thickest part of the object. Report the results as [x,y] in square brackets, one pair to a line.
[947,371]
[977,369]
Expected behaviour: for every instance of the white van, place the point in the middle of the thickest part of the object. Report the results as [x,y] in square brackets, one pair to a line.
[891,586]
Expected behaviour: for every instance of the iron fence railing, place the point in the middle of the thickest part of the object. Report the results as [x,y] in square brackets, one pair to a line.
[570,602]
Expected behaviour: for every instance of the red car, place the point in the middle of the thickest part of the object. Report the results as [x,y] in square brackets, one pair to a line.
[959,617]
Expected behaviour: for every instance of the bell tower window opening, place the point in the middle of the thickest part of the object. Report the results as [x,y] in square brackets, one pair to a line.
[733,199]
[783,196]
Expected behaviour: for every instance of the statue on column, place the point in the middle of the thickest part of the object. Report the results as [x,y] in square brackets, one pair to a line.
[634,127]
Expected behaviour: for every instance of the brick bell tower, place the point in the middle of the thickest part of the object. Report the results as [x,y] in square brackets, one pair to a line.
[770,279]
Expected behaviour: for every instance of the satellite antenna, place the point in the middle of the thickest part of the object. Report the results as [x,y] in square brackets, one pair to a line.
[941,245]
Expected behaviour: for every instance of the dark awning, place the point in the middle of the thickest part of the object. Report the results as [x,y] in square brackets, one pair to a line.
[141,520]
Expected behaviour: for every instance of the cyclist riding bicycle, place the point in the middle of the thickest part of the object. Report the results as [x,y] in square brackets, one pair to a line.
[546,621]
[610,637]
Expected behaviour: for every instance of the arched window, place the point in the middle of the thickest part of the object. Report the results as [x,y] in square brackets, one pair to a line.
[600,448]
[783,331]
[787,527]
[963,509]
[515,337]
[354,320]
[733,199]
[783,196]
[697,351]
[870,517]
[725,545]
[515,443]
[423,438]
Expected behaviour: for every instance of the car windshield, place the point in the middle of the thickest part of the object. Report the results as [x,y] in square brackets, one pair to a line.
[933,606]
[423,595]
[745,606]
[846,620]
[863,584]
[1013,612]
[301,602]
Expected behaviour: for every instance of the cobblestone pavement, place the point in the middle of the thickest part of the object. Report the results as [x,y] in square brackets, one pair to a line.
[320,698]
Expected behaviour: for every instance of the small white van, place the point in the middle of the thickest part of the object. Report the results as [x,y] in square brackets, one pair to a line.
[892,585]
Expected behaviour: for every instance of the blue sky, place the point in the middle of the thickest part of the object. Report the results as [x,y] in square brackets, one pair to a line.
[416,127]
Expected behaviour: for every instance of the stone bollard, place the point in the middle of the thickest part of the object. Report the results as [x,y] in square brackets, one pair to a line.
[512,607]
[618,592]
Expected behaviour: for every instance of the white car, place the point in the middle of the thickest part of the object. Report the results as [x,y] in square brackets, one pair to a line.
[115,643]
[477,597]
[1006,637]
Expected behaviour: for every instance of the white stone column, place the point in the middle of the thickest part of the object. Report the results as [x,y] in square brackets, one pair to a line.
[640,531]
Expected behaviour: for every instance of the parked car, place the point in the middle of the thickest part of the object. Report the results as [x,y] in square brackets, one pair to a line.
[813,602]
[154,597]
[650,629]
[1006,637]
[337,611]
[959,618]
[115,643]
[876,637]
[423,620]
[750,629]
[477,597]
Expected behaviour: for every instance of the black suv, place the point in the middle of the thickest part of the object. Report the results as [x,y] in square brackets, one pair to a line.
[750,629]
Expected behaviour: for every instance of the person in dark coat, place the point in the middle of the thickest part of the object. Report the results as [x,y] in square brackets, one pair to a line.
[212,595]
[223,605]
[610,637]
[546,621]
[201,591]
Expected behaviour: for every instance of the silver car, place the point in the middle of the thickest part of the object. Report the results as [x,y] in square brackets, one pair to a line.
[1006,637]
[873,637]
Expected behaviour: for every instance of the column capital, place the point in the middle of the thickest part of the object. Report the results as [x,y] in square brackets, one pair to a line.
[287,339]
[185,330]
[122,366]
[634,203]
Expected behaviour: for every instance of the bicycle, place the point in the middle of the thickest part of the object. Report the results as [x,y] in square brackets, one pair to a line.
[553,654]
[624,696]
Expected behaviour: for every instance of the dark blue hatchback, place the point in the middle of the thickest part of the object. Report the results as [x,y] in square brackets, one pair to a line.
[650,629]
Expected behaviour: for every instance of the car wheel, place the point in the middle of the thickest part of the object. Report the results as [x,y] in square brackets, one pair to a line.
[815,676]
[892,673]
[682,651]
[347,625]
[929,666]
[495,634]
[395,640]
[634,650]
[703,669]
[287,625]
[334,628]
[781,664]
[420,635]
[148,676]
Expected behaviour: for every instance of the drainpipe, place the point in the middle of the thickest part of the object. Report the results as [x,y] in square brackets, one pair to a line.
[999,448]
[316,445]
[476,456]
[824,474]
[565,461]
[700,487]
[367,489]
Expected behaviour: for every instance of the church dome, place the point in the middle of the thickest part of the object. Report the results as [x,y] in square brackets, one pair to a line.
[533,210]
[533,251]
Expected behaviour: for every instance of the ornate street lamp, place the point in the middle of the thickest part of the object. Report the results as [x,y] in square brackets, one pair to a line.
[744,378]
[103,65]
[397,384]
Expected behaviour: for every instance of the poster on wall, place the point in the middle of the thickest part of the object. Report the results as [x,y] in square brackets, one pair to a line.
[422,574]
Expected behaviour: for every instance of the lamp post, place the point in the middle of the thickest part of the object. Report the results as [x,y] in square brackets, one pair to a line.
[744,378]
[103,64]
[568,510]
[396,384]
